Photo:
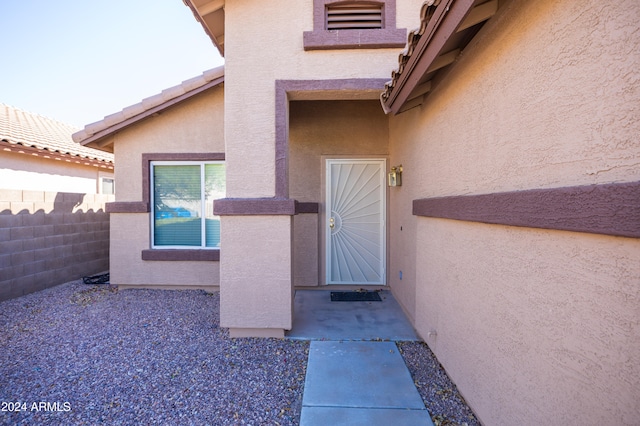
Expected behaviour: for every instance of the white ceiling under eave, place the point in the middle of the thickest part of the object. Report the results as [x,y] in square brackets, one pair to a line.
[210,14]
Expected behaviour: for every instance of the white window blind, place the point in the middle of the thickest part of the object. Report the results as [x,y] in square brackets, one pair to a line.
[354,16]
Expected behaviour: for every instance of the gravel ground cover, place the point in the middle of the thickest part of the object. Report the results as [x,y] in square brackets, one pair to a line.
[441,397]
[136,357]
[81,354]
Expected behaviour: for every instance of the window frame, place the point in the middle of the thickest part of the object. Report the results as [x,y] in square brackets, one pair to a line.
[203,210]
[322,39]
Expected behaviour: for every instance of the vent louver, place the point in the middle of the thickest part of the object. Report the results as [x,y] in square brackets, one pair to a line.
[354,17]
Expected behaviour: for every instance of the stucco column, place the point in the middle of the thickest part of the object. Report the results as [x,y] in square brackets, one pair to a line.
[256,295]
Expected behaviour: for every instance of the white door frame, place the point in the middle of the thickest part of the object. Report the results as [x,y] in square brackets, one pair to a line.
[327,223]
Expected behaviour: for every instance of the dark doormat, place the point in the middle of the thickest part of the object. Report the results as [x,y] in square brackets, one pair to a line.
[355,296]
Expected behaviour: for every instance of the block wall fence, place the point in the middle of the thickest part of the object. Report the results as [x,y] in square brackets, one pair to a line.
[49,238]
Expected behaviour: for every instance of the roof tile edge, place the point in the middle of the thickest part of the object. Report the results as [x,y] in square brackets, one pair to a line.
[139,109]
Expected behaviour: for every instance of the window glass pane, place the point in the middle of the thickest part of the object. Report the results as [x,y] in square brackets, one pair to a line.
[177,205]
[214,177]
[108,186]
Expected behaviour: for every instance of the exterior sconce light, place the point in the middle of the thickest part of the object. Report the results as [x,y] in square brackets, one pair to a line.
[395,176]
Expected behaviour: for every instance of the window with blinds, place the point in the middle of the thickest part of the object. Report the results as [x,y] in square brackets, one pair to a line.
[182,199]
[354,16]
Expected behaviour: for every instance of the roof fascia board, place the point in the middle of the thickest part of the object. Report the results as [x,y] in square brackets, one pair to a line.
[479,14]
[212,6]
[443,24]
[208,8]
[155,110]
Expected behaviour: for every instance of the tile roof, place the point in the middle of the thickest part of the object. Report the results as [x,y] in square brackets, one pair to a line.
[18,127]
[149,106]
[446,28]
[426,12]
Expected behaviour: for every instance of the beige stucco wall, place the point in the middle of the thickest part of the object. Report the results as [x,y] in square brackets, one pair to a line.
[254,62]
[194,126]
[319,130]
[264,43]
[33,173]
[330,128]
[129,236]
[534,326]
[252,298]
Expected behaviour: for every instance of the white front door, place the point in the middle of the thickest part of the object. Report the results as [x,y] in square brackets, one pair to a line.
[355,221]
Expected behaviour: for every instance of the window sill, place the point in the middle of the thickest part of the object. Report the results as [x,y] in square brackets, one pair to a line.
[176,255]
[355,39]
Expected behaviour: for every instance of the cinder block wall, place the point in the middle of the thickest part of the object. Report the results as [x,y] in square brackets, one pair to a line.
[48,238]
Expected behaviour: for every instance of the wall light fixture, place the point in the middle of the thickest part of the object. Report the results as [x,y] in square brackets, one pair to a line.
[395,176]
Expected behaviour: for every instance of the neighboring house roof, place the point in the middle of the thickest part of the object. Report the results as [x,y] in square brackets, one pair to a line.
[34,134]
[93,133]
[446,27]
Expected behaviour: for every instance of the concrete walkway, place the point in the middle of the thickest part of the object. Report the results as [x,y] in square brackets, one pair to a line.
[350,380]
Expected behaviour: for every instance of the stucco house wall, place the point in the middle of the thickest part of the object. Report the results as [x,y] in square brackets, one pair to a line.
[534,326]
[193,126]
[250,108]
[38,154]
[32,173]
[250,131]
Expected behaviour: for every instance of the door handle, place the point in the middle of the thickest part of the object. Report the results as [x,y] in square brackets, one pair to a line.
[332,223]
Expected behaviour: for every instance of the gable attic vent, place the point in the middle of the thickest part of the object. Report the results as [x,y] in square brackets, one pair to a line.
[354,16]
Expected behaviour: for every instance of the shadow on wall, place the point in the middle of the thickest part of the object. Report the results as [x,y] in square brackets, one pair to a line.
[66,203]
[48,238]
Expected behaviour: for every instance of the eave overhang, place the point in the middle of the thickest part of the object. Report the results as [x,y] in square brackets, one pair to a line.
[58,155]
[96,135]
[210,14]
[446,27]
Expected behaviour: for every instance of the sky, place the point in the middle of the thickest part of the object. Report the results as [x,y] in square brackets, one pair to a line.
[77,61]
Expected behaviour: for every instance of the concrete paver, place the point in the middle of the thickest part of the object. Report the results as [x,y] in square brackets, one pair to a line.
[317,318]
[355,382]
[323,416]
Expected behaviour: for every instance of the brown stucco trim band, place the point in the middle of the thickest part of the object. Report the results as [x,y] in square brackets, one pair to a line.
[307,207]
[254,206]
[609,209]
[262,206]
[181,255]
[355,39]
[127,207]
[283,89]
[147,158]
